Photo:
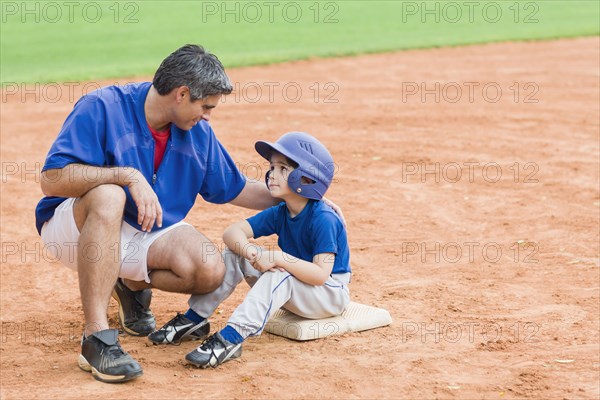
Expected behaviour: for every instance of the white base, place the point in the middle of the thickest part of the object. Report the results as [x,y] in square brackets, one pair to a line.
[357,317]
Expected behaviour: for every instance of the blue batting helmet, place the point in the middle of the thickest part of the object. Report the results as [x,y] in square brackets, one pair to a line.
[313,159]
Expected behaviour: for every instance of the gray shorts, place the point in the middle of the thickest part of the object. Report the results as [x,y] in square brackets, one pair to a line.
[60,236]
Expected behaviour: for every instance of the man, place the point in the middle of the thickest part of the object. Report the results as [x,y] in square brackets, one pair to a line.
[120,177]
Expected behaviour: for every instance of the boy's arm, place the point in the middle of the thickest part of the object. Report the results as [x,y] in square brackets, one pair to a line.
[312,273]
[236,238]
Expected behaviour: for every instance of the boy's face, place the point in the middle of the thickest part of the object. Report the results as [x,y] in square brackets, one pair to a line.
[278,178]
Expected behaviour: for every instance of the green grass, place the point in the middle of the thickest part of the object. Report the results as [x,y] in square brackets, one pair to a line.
[134,41]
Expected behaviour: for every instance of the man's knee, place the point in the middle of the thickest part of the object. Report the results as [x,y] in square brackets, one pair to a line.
[210,275]
[198,276]
[104,202]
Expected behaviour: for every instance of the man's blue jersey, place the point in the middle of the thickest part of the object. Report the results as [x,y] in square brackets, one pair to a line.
[108,128]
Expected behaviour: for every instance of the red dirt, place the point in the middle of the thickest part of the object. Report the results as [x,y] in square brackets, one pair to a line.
[467,324]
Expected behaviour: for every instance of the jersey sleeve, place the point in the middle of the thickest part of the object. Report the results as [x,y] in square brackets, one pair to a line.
[223,181]
[82,137]
[325,233]
[265,222]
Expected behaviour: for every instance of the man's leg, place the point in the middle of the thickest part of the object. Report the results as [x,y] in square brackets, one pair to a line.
[193,325]
[180,260]
[185,261]
[98,215]
[236,269]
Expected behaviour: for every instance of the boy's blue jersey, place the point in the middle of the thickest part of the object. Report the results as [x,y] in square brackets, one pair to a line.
[108,128]
[317,229]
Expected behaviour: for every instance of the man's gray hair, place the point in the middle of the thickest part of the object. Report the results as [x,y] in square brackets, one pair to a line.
[192,66]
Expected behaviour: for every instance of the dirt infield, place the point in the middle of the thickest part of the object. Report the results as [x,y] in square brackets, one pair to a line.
[469,178]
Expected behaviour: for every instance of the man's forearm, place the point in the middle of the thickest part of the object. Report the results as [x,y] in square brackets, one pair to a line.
[75,180]
[255,195]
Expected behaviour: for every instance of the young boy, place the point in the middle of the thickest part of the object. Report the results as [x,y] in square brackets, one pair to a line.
[308,277]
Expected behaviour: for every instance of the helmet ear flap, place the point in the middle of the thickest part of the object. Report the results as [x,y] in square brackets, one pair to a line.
[295,180]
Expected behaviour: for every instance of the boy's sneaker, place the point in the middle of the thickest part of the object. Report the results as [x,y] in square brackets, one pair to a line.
[180,329]
[102,355]
[134,309]
[214,351]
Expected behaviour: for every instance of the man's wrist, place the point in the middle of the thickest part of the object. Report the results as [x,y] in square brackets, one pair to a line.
[126,176]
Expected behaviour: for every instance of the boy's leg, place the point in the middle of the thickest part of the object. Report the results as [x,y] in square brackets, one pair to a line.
[273,290]
[269,294]
[193,326]
[236,268]
[316,302]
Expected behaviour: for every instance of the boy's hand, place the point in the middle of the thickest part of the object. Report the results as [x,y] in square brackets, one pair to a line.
[251,252]
[266,260]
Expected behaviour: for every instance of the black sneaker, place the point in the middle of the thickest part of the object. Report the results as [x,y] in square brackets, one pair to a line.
[213,352]
[134,309]
[102,355]
[180,329]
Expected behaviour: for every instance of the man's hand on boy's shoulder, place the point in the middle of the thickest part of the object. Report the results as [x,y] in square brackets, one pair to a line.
[336,208]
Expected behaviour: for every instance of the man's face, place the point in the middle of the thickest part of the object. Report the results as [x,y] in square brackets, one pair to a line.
[188,113]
